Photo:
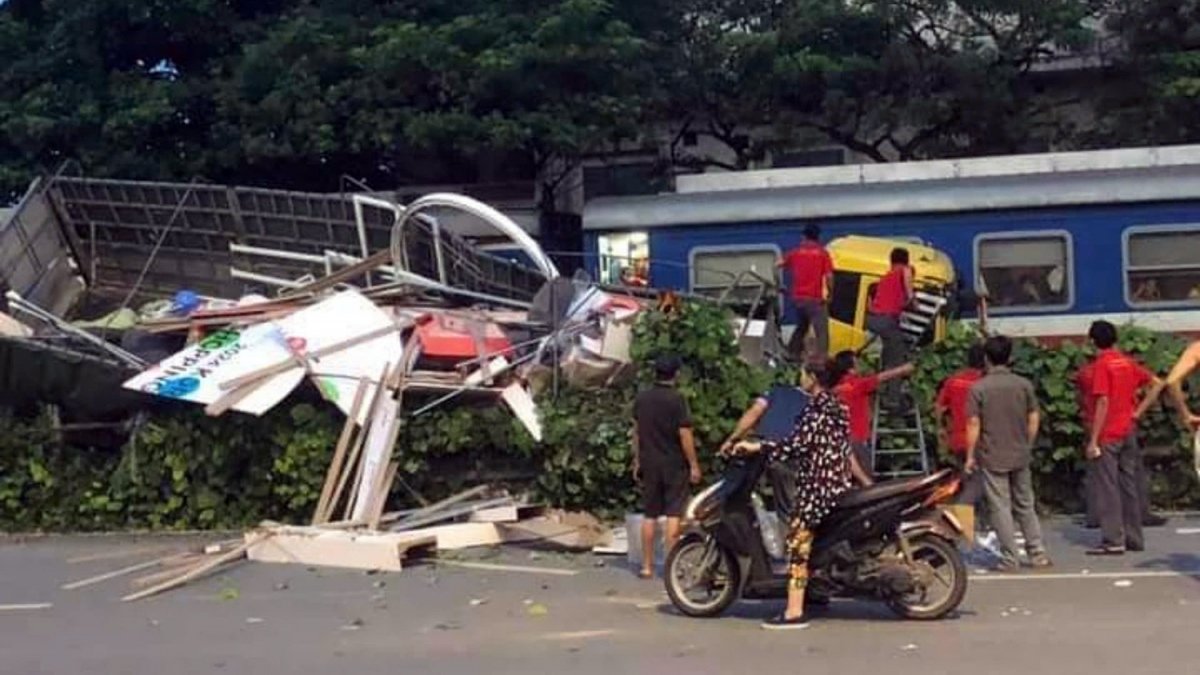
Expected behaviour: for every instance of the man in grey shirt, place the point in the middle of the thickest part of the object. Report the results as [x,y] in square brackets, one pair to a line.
[1002,423]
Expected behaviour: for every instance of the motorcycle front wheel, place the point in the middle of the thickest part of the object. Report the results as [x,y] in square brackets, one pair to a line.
[942,580]
[702,577]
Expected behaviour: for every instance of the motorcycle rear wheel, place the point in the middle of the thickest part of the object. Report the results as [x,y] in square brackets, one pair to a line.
[682,574]
[941,560]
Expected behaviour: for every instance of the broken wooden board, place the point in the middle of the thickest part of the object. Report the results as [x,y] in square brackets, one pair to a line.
[569,531]
[496,514]
[462,535]
[336,548]
[507,513]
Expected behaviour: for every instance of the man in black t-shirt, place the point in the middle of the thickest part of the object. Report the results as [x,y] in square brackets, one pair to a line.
[664,457]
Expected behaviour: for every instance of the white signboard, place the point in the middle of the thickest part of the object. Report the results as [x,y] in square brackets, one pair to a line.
[196,373]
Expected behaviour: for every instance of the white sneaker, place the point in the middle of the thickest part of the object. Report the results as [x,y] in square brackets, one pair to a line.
[988,541]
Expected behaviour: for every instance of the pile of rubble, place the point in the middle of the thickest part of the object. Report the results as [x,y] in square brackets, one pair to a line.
[481,516]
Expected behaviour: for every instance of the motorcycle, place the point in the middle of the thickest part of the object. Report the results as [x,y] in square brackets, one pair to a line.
[890,542]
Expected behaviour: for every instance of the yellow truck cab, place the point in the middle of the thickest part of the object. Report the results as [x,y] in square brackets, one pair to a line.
[858,265]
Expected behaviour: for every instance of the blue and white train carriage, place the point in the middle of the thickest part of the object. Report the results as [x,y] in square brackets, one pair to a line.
[1056,240]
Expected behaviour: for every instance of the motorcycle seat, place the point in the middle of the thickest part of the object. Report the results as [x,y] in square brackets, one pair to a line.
[891,488]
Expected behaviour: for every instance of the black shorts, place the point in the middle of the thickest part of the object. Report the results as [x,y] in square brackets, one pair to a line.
[664,491]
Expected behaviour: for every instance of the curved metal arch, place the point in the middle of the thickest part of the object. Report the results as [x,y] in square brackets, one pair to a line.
[493,217]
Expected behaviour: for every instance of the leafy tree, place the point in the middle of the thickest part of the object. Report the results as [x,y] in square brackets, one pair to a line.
[919,78]
[1157,76]
[552,83]
[715,79]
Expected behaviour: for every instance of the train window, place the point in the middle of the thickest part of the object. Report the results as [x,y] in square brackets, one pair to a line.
[625,259]
[1162,265]
[1027,271]
[744,269]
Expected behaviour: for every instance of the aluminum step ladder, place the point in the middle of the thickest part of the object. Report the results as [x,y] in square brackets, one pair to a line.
[898,442]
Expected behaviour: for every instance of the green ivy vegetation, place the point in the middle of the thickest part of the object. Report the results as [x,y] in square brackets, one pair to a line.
[184,470]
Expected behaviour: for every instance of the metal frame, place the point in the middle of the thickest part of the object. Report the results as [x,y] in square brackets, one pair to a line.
[217,227]
[726,248]
[46,281]
[1130,232]
[1069,240]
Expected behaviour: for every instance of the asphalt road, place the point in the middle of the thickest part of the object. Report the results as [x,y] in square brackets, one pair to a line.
[1139,614]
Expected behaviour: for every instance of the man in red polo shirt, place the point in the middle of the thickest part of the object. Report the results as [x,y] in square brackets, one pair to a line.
[951,403]
[892,294]
[855,392]
[1114,456]
[811,269]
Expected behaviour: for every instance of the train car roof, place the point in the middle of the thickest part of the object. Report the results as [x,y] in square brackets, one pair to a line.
[980,184]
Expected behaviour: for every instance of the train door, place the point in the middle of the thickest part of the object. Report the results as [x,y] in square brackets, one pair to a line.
[624,259]
[848,304]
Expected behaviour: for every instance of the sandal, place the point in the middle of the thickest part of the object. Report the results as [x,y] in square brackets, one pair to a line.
[781,622]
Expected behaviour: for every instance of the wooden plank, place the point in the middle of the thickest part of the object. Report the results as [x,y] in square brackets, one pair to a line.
[163,575]
[351,468]
[344,275]
[382,396]
[339,453]
[286,365]
[353,463]
[377,452]
[447,514]
[231,398]
[381,494]
[449,501]
[200,570]
[333,548]
[507,513]
[462,535]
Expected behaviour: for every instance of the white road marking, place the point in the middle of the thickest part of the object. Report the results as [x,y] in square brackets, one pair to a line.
[109,575]
[17,608]
[1141,574]
[1187,530]
[557,571]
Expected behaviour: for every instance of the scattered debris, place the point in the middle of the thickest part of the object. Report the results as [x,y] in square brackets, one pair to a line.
[354,625]
[1123,583]
[229,593]
[537,609]
[27,606]
[475,602]
[335,548]
[254,619]
[910,647]
[282,586]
